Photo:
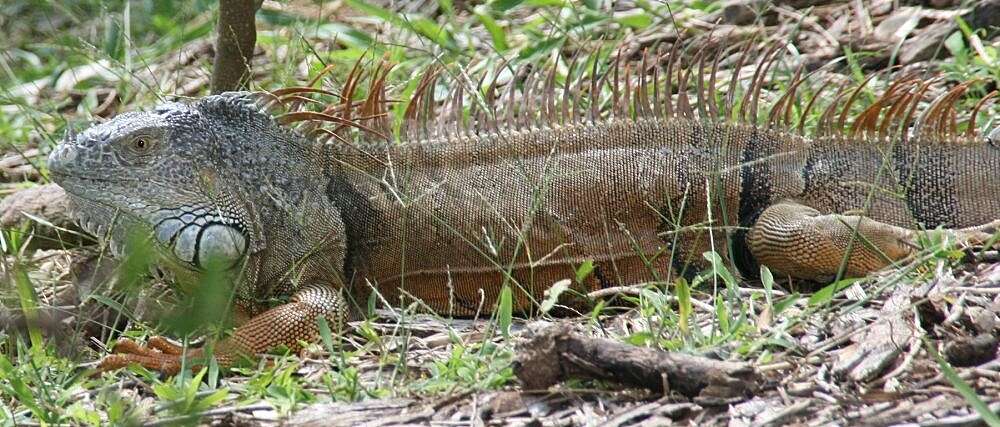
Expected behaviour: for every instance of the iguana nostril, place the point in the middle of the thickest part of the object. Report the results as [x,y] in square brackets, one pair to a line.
[61,157]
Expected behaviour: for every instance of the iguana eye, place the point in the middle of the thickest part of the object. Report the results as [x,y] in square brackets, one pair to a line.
[141,144]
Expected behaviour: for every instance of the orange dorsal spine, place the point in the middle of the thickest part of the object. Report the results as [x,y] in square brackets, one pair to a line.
[655,85]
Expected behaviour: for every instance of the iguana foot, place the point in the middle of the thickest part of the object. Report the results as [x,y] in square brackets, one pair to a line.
[287,324]
[158,354]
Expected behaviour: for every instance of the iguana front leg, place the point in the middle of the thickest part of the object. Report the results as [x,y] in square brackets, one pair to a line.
[287,324]
[800,241]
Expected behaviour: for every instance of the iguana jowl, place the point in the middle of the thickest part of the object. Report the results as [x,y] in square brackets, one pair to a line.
[450,215]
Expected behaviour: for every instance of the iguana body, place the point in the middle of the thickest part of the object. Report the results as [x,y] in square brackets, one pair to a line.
[452,217]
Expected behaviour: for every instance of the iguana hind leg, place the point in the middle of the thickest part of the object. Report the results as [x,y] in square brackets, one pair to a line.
[287,324]
[800,241]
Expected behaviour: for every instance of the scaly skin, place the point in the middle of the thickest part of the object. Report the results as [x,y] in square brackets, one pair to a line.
[213,185]
[219,184]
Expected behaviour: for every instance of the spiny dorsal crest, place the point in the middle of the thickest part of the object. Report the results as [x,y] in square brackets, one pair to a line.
[657,85]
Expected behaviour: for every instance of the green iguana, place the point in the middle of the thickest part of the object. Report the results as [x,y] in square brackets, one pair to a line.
[638,179]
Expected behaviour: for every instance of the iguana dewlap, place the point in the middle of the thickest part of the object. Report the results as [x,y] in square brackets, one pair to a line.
[450,215]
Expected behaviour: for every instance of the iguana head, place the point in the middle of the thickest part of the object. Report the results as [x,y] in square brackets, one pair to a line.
[154,172]
[213,182]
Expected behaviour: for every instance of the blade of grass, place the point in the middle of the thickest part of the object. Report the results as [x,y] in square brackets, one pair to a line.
[505,310]
[496,32]
[826,294]
[29,305]
[683,305]
[963,388]
[552,294]
[18,388]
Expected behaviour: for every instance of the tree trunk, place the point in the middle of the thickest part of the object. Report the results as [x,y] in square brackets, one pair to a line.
[237,35]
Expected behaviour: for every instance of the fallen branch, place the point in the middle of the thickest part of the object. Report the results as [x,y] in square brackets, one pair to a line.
[558,353]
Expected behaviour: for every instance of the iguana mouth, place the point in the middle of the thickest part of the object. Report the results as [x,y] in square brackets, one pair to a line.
[186,243]
[61,178]
[107,222]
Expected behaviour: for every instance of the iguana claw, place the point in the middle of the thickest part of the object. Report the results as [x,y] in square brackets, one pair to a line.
[158,354]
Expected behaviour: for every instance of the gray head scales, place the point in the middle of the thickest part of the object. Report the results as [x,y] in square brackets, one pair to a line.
[156,173]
